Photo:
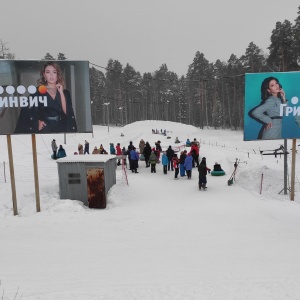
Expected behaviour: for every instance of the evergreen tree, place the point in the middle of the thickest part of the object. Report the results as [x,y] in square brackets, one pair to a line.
[48,56]
[296,38]
[253,61]
[61,56]
[281,49]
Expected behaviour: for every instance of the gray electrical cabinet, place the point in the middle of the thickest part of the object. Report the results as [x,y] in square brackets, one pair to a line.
[87,178]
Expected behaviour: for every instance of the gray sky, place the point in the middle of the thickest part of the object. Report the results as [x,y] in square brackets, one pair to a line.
[144,34]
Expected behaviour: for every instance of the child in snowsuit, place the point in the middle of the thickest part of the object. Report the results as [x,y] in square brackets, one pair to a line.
[176,163]
[153,160]
[165,162]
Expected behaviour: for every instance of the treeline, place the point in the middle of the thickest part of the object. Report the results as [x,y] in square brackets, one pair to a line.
[211,94]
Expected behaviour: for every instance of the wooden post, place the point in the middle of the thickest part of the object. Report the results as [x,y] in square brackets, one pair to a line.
[36,175]
[12,175]
[293,170]
[261,182]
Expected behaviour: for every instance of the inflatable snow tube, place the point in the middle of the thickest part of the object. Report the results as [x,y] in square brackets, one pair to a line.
[217,173]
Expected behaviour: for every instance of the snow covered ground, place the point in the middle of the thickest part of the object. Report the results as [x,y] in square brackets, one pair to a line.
[158,238]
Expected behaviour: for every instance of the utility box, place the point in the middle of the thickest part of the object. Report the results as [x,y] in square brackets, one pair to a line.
[87,178]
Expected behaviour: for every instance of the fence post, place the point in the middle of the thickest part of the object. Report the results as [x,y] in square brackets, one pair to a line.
[261,182]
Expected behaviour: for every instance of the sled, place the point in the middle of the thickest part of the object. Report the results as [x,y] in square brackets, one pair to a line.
[217,173]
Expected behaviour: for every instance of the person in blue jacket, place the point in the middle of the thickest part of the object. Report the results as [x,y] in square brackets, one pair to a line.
[61,152]
[134,160]
[165,162]
[112,149]
[188,165]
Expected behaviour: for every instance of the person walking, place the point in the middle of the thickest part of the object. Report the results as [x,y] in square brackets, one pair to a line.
[170,155]
[54,148]
[188,165]
[86,147]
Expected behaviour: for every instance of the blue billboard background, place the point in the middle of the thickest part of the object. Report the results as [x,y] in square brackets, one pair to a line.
[290,82]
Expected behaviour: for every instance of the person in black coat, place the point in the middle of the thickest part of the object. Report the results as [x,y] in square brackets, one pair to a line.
[170,155]
[130,147]
[147,153]
[202,169]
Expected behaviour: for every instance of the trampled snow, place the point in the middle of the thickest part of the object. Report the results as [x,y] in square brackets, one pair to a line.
[158,238]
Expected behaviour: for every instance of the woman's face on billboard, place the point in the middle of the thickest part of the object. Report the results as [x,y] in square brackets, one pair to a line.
[50,75]
[273,87]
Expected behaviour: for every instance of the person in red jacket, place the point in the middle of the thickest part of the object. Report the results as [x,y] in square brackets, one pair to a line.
[118,153]
[195,154]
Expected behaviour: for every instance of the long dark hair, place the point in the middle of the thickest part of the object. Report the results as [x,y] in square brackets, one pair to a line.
[265,86]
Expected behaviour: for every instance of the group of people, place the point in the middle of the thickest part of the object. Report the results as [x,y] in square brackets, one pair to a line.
[85,149]
[57,152]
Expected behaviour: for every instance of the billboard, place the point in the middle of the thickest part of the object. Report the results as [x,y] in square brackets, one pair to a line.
[272,107]
[44,97]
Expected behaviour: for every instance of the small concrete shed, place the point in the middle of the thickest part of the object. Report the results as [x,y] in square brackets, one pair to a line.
[87,178]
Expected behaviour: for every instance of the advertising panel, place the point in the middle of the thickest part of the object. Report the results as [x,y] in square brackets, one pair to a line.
[44,97]
[272,107]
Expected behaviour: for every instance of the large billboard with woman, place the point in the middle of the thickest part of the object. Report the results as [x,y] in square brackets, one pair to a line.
[44,97]
[272,106]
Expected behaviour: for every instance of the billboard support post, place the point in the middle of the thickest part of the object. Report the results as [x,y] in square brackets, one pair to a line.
[293,170]
[285,168]
[12,174]
[36,175]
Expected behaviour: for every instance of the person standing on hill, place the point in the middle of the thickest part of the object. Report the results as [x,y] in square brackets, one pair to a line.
[141,146]
[170,154]
[86,147]
[188,165]
[129,148]
[134,160]
[182,160]
[158,150]
[119,153]
[153,160]
[147,153]
[165,162]
[195,153]
[54,148]
[176,163]
[80,149]
[202,169]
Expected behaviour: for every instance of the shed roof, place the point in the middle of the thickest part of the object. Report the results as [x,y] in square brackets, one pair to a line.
[86,158]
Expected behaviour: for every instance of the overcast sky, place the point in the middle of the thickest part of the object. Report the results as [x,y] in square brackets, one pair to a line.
[144,34]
